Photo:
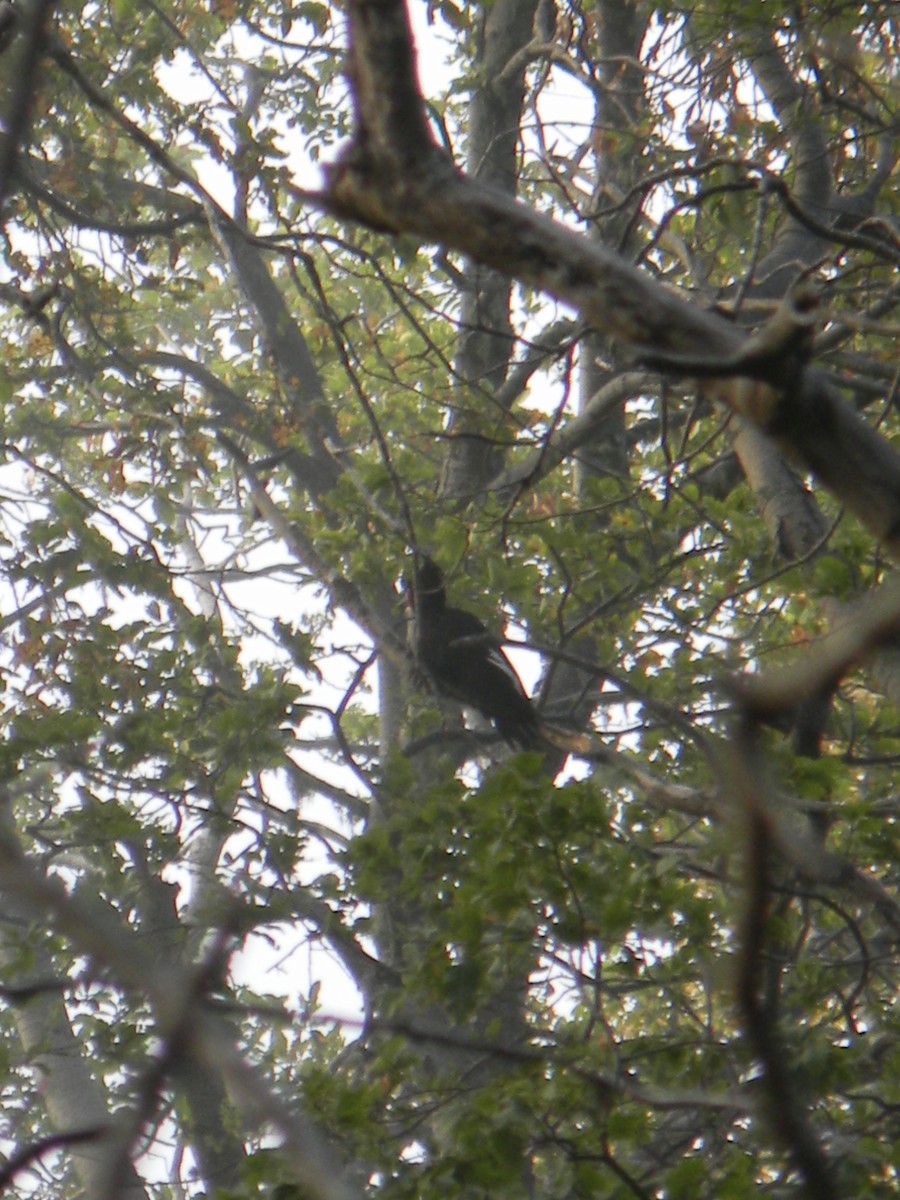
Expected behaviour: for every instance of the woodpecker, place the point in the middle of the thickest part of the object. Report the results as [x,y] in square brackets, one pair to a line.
[467,663]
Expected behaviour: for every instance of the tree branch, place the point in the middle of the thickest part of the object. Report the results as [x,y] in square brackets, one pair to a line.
[409,185]
[177,1009]
[29,21]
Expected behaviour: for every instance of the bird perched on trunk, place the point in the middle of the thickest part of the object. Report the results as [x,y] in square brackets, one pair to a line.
[467,662]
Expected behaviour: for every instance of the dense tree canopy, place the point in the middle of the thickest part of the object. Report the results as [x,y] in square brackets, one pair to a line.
[595,303]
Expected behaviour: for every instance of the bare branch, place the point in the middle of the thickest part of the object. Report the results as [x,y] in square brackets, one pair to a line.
[29,20]
[394,177]
[173,995]
[787,1108]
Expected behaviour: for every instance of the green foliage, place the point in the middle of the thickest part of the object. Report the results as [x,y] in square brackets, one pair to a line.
[199,548]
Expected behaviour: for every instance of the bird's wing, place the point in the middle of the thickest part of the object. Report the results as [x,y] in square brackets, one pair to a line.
[465,629]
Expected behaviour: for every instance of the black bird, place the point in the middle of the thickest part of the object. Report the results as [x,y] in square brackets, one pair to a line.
[467,662]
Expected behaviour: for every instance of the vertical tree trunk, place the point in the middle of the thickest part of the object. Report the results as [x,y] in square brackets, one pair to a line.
[476,423]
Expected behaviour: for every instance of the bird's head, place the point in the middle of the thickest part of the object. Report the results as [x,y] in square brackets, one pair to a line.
[426,590]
